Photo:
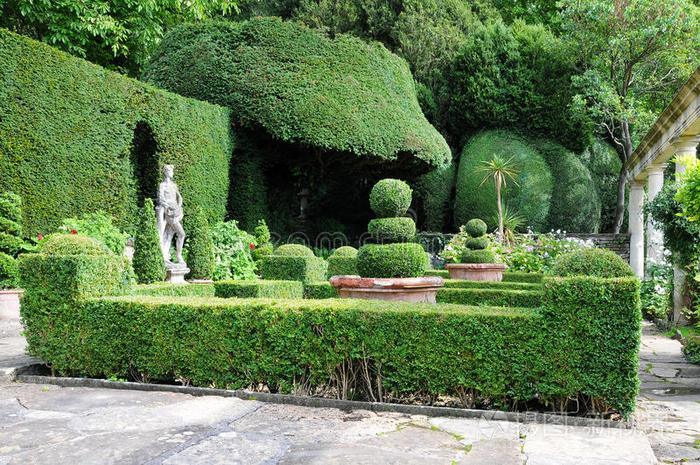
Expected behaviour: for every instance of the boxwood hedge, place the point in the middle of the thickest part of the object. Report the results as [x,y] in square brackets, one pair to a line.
[581,344]
[172,290]
[492,297]
[306,269]
[76,138]
[260,288]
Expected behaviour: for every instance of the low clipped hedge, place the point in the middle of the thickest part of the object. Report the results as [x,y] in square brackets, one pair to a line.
[320,290]
[603,263]
[522,277]
[444,274]
[402,260]
[300,268]
[464,284]
[260,288]
[491,297]
[571,347]
[399,229]
[172,290]
[338,266]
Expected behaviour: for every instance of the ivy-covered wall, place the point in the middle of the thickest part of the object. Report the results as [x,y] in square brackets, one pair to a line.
[75,138]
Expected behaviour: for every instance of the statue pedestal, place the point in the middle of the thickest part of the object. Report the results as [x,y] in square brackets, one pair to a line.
[176,274]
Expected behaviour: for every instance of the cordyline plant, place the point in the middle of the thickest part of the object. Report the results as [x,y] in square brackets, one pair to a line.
[499,169]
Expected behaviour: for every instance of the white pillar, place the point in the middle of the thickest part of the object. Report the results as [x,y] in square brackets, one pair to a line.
[682,145]
[655,238]
[636,227]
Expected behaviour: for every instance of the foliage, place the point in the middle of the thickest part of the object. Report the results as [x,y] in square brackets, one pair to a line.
[294,250]
[478,256]
[502,77]
[691,349]
[637,53]
[475,228]
[600,263]
[72,244]
[400,260]
[522,277]
[172,290]
[400,229]
[119,34]
[466,284]
[681,236]
[76,138]
[301,86]
[11,242]
[512,223]
[509,357]
[293,268]
[260,288]
[478,243]
[531,197]
[575,205]
[320,290]
[390,197]
[343,262]
[433,191]
[656,291]
[148,262]
[199,246]
[537,253]
[492,297]
[262,233]
[500,170]
[232,252]
[99,226]
[604,164]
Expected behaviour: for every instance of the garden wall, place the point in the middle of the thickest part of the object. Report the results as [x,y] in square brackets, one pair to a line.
[75,137]
[618,243]
[572,347]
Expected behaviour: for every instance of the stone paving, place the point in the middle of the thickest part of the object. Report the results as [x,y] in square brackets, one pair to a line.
[46,424]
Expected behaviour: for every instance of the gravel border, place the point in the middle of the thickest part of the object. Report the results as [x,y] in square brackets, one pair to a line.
[307,401]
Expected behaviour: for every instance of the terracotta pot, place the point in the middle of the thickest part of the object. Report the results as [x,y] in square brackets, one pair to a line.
[476,271]
[389,289]
[9,304]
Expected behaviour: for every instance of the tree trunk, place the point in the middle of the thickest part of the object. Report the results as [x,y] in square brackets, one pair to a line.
[626,140]
[500,212]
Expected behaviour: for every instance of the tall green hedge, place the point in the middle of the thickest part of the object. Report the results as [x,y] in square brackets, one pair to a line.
[604,164]
[301,86]
[149,265]
[581,344]
[530,198]
[432,193]
[77,138]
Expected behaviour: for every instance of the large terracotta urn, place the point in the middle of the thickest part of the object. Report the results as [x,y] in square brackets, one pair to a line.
[389,289]
[476,271]
[9,304]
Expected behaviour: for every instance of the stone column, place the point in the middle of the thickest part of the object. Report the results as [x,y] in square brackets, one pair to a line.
[655,238]
[636,228]
[682,145]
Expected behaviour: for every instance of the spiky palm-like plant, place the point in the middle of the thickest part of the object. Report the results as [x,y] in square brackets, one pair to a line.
[500,170]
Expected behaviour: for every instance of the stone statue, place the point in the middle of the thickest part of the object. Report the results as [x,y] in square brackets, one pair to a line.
[169,217]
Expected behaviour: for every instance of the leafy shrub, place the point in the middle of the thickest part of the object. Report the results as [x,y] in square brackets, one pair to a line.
[400,260]
[520,277]
[172,290]
[99,226]
[688,189]
[260,288]
[148,262]
[73,244]
[100,138]
[343,262]
[478,243]
[478,256]
[691,349]
[475,228]
[463,283]
[199,246]
[656,291]
[390,198]
[262,233]
[294,268]
[401,229]
[493,297]
[294,250]
[320,290]
[11,242]
[300,93]
[532,195]
[604,164]
[536,253]
[600,263]
[681,236]
[233,259]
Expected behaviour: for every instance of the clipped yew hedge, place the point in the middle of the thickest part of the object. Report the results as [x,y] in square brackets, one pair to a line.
[581,344]
[67,131]
[492,297]
[260,288]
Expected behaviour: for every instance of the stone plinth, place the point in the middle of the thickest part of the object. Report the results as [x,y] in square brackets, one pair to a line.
[388,289]
[176,274]
[9,304]
[477,271]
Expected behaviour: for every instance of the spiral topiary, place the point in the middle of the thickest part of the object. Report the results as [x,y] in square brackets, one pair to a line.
[477,244]
[395,257]
[11,242]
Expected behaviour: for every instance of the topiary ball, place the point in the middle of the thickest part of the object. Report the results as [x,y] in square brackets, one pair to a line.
[477,243]
[293,250]
[401,260]
[345,251]
[401,229]
[479,256]
[602,263]
[475,227]
[390,198]
[73,244]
